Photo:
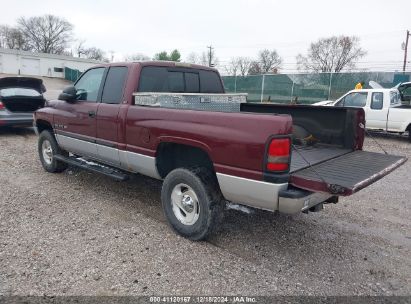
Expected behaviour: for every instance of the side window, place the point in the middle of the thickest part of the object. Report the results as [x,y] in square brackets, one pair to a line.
[176,82]
[89,85]
[114,85]
[153,79]
[192,82]
[210,82]
[377,100]
[355,99]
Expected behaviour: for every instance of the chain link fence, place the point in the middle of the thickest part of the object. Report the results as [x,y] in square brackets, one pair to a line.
[306,88]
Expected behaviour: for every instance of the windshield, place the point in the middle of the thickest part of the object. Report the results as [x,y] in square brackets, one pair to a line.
[8,92]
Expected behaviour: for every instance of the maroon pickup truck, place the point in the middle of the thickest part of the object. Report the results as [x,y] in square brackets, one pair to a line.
[173,122]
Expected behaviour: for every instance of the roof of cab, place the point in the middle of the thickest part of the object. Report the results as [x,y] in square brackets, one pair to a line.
[159,63]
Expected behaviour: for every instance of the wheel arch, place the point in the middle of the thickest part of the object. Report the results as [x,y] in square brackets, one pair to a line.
[42,125]
[171,155]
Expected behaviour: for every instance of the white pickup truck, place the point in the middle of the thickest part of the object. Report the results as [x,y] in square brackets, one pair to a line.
[383,107]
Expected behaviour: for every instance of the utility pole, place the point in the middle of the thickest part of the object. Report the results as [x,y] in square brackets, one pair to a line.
[405,51]
[112,56]
[210,55]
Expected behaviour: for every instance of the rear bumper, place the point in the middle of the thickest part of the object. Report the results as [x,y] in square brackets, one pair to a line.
[11,120]
[268,196]
[296,200]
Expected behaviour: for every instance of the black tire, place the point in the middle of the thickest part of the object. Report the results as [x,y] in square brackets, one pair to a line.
[53,166]
[210,202]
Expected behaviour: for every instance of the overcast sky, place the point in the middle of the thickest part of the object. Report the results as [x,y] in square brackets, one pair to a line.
[233,28]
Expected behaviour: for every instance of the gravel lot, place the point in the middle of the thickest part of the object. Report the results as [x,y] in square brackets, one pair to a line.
[79,233]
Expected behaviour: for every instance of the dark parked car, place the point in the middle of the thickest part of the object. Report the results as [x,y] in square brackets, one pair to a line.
[19,98]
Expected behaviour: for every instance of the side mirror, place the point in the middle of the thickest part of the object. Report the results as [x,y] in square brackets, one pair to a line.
[68,94]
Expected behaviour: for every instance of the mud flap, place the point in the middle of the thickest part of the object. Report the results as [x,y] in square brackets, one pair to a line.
[346,174]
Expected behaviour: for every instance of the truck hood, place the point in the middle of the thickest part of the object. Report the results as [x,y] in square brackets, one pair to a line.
[23,82]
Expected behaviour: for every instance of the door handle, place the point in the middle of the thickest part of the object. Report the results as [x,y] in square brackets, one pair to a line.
[91,114]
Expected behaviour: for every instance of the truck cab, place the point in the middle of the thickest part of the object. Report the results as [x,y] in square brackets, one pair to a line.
[384,108]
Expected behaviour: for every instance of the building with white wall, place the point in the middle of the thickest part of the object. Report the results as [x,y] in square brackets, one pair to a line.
[40,64]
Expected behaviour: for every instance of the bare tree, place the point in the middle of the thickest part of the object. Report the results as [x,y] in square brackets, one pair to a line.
[269,61]
[194,58]
[94,53]
[136,57]
[238,66]
[80,49]
[232,67]
[12,38]
[209,58]
[331,54]
[46,34]
[244,64]
[255,68]
[204,59]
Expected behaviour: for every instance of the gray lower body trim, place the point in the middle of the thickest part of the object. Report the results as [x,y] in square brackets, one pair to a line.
[77,146]
[139,163]
[129,161]
[109,155]
[250,192]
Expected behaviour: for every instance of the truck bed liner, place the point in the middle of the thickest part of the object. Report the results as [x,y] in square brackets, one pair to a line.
[314,155]
[346,174]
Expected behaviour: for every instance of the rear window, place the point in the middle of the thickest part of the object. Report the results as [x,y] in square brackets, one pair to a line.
[377,100]
[179,80]
[19,92]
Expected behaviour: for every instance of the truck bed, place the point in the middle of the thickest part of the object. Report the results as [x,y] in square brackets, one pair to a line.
[303,156]
[335,163]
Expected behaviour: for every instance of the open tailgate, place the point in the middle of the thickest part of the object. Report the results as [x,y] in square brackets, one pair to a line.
[346,174]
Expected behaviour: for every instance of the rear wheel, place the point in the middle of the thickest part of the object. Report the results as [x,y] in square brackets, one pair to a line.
[47,148]
[192,202]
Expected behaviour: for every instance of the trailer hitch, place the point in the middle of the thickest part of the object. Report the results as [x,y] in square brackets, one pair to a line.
[336,189]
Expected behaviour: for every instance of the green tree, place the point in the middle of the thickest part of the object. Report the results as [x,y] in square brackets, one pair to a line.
[161,56]
[174,56]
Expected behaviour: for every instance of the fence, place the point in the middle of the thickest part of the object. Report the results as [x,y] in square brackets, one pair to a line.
[71,74]
[307,88]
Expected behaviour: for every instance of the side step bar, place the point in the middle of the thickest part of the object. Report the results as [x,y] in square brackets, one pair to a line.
[93,167]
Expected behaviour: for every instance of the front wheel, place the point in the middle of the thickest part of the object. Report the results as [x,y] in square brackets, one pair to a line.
[47,148]
[192,202]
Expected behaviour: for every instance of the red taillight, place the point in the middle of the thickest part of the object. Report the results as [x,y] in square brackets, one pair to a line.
[2,106]
[278,157]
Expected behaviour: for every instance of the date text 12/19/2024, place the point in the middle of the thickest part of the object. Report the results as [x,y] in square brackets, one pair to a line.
[203,299]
